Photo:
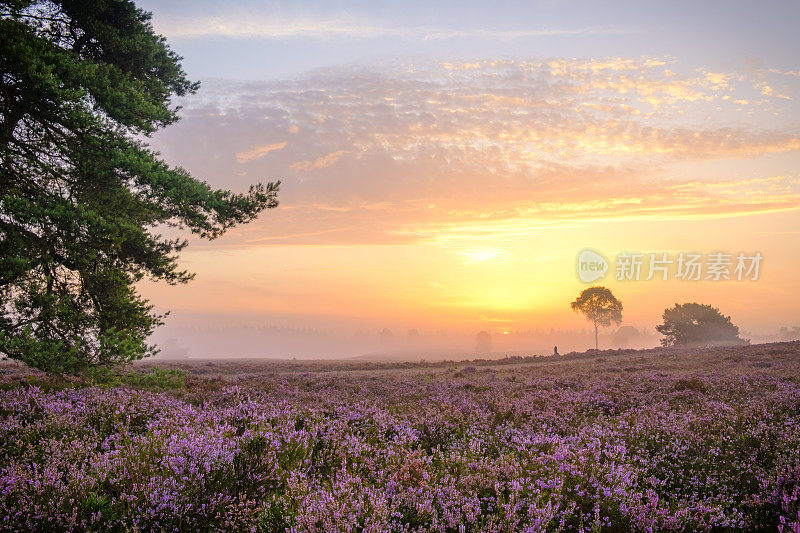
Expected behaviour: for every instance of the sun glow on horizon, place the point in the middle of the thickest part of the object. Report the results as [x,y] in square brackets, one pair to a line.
[457,196]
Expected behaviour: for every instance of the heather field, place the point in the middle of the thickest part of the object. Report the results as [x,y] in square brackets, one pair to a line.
[666,440]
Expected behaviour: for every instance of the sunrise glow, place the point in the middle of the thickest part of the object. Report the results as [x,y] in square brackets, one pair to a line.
[449,193]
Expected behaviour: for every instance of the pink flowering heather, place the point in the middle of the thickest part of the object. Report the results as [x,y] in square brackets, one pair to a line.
[629,441]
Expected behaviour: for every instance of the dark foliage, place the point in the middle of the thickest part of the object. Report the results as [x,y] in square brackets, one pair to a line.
[81,195]
[693,324]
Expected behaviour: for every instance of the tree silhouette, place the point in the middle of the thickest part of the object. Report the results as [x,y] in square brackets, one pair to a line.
[483,343]
[599,306]
[625,336]
[693,324]
[82,196]
[386,336]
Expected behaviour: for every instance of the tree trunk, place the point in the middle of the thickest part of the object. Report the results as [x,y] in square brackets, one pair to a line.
[595,334]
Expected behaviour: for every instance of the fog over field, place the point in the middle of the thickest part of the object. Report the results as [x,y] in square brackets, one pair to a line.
[406,345]
[442,169]
[399,266]
[272,342]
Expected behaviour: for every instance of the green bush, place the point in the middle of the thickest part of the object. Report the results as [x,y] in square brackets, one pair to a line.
[156,379]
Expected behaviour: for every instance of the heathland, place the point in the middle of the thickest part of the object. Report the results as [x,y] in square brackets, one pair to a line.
[664,439]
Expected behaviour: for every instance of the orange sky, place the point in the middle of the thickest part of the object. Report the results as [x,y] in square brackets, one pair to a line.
[457,195]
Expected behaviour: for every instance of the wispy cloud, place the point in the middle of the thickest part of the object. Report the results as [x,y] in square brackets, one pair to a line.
[259,151]
[249,26]
[325,161]
[411,152]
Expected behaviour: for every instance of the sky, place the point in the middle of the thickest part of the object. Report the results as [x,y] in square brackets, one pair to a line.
[444,164]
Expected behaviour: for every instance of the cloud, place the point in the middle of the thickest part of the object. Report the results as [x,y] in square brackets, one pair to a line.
[258,152]
[692,200]
[326,160]
[250,26]
[405,152]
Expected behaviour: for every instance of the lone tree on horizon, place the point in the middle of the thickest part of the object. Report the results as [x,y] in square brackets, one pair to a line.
[82,196]
[693,324]
[600,306]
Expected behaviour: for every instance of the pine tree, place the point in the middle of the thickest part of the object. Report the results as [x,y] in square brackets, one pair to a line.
[81,194]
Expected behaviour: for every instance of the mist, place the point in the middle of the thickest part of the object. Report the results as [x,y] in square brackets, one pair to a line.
[383,344]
